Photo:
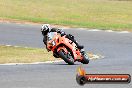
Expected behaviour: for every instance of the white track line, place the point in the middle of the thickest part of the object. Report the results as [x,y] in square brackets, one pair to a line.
[8,45]
[94,30]
[124,32]
[56,61]
[15,46]
[109,31]
[97,30]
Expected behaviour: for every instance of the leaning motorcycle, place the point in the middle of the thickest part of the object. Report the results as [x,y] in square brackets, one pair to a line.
[64,48]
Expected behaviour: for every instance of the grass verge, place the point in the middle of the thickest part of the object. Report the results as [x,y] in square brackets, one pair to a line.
[101,14]
[10,54]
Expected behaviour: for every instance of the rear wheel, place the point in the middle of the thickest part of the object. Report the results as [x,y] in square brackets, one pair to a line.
[67,57]
[85,59]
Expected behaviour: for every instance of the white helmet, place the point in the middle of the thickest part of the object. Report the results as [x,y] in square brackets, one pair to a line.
[45,28]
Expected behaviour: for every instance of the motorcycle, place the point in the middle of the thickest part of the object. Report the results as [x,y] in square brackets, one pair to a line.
[64,48]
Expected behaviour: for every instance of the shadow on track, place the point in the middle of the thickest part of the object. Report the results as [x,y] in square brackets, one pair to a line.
[65,64]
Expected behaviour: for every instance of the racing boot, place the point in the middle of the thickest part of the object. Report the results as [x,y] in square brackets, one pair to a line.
[80,46]
[71,37]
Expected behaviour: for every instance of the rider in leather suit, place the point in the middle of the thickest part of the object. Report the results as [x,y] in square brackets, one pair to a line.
[47,28]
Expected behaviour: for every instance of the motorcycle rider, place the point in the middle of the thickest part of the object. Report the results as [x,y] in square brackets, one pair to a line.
[47,28]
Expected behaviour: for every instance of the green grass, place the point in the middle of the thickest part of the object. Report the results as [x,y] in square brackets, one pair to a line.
[10,54]
[101,14]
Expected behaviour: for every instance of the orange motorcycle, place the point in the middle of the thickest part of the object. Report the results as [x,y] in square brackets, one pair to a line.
[64,48]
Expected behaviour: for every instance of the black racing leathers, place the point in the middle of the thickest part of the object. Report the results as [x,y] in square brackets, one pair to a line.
[69,36]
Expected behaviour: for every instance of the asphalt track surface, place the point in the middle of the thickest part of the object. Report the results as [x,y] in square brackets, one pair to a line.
[115,46]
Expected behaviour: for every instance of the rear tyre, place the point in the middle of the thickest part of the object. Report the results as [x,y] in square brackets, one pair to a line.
[85,58]
[66,57]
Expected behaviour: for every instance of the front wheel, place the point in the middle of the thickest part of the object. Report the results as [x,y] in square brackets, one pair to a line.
[67,57]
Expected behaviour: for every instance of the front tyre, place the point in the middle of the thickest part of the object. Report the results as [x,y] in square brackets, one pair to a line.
[66,57]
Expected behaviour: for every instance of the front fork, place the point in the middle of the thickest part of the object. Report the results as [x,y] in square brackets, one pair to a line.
[83,52]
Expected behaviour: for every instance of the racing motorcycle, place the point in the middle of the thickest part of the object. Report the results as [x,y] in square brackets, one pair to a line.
[64,48]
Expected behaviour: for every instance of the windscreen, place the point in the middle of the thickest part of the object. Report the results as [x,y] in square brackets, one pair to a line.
[51,35]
